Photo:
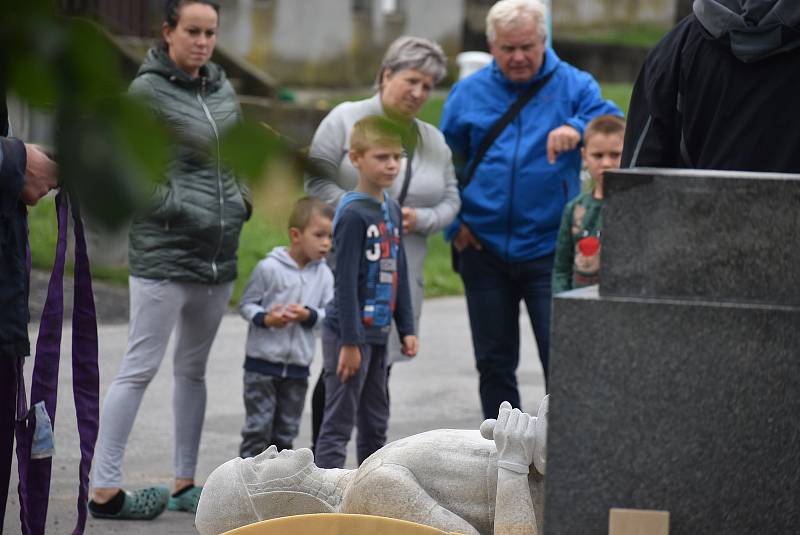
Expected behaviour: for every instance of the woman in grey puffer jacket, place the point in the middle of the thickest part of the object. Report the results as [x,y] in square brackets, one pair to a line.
[182,259]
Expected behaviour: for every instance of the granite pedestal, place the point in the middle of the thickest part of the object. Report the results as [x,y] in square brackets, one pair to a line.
[674,387]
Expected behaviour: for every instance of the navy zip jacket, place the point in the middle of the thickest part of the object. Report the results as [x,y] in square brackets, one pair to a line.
[371,279]
[720,91]
[13,243]
[514,203]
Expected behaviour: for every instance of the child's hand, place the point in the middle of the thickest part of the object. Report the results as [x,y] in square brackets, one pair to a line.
[295,312]
[410,346]
[349,362]
[275,317]
[409,219]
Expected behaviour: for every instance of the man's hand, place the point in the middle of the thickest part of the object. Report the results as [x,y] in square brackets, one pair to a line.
[465,238]
[410,346]
[41,175]
[515,437]
[409,219]
[275,318]
[295,312]
[349,362]
[562,139]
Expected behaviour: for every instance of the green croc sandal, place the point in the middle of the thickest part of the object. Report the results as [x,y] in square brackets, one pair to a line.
[140,504]
[186,501]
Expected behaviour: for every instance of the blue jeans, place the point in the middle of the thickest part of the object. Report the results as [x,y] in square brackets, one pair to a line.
[494,289]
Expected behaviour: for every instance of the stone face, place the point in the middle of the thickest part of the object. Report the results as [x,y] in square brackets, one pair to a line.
[691,407]
[702,236]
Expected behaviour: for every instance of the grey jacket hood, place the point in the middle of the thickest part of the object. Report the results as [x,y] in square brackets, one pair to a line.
[756,29]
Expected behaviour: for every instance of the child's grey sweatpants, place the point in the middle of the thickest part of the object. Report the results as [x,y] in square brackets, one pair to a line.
[273,411]
[158,307]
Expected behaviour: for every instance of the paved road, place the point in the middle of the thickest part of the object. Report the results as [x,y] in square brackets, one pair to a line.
[437,390]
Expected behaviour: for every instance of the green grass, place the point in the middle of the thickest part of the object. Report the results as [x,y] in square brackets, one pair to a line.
[267,227]
[646,35]
[431,111]
[619,93]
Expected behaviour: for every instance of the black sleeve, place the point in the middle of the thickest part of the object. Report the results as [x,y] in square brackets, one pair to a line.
[652,134]
[13,160]
[312,319]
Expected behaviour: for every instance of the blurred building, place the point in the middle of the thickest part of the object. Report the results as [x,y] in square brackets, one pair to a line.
[341,42]
[333,42]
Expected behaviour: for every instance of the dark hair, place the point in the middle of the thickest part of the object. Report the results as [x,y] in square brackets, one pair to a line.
[305,208]
[172,9]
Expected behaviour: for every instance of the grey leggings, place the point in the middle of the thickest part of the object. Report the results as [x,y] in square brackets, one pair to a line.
[157,307]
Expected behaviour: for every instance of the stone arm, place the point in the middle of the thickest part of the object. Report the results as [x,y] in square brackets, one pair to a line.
[393,491]
[514,514]
[515,435]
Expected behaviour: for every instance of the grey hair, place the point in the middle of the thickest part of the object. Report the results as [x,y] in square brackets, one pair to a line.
[510,13]
[416,53]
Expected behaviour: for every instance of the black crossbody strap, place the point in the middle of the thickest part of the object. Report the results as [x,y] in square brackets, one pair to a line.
[404,191]
[500,125]
[410,148]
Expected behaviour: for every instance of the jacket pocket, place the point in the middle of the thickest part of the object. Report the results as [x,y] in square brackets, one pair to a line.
[165,204]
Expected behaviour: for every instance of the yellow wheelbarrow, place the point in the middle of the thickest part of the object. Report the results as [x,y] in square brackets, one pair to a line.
[335,524]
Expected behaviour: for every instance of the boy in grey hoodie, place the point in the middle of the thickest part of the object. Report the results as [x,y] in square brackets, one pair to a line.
[283,300]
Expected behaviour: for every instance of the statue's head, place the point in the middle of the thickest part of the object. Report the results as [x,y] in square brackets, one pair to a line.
[270,485]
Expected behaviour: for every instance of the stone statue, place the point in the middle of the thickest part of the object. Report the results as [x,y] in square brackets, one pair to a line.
[461,481]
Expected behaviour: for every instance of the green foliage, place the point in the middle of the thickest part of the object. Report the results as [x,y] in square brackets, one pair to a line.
[108,147]
[619,93]
[440,279]
[645,35]
[43,232]
[431,111]
[249,146]
[259,237]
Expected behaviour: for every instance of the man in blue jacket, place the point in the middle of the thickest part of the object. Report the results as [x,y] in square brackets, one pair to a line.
[506,231]
[26,175]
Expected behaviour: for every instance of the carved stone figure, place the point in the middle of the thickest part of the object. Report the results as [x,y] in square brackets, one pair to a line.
[455,480]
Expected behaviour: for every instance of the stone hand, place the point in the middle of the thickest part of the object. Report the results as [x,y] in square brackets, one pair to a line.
[515,437]
[540,446]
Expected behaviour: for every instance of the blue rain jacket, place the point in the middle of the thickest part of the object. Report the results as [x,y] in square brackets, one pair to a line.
[515,199]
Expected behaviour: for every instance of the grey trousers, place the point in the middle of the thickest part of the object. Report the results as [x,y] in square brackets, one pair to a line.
[360,402]
[158,307]
[273,409]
